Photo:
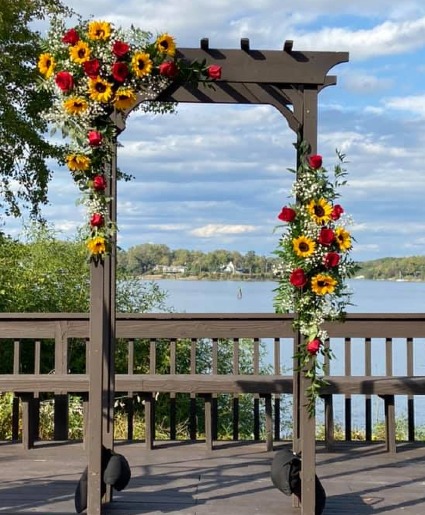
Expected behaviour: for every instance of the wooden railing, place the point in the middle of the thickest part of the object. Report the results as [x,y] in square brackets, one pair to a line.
[209,356]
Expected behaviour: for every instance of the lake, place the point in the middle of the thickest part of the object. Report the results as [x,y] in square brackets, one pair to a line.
[257,296]
[367,297]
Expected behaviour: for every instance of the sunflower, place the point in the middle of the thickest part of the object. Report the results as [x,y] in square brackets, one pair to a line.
[75,105]
[142,64]
[96,245]
[303,247]
[99,30]
[78,162]
[124,98]
[46,65]
[323,284]
[100,90]
[80,52]
[320,210]
[343,239]
[166,44]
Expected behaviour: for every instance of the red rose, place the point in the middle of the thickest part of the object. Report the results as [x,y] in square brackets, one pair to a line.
[92,68]
[315,161]
[298,278]
[168,69]
[95,138]
[99,183]
[71,37]
[97,220]
[64,81]
[120,49]
[331,260]
[313,346]
[214,71]
[119,71]
[287,214]
[337,211]
[326,236]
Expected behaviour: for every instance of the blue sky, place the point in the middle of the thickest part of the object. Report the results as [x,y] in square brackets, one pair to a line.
[215,176]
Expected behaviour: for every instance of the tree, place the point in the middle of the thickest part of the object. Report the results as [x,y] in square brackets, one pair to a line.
[25,150]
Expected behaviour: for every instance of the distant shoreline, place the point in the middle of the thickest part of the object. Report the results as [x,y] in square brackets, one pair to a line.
[159,277]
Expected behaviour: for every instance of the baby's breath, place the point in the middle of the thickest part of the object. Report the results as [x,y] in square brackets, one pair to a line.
[312,283]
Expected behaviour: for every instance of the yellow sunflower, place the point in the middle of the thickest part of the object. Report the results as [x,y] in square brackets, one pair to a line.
[124,98]
[75,105]
[99,30]
[100,90]
[141,64]
[343,239]
[80,52]
[323,284]
[96,245]
[78,162]
[303,247]
[320,210]
[46,65]
[166,44]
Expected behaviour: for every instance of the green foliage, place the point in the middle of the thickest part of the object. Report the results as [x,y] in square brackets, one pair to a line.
[149,258]
[410,268]
[25,151]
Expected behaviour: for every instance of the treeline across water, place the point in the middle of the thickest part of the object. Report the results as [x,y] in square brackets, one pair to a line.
[159,259]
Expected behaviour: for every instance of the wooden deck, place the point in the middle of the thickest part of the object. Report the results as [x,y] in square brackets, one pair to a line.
[233,479]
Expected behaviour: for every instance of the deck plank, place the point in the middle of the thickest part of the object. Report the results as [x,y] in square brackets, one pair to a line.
[233,479]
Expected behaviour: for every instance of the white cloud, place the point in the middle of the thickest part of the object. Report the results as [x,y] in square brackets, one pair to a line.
[388,38]
[413,105]
[214,230]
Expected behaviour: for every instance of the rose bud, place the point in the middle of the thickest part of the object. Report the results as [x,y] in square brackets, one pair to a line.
[91,68]
[326,236]
[298,278]
[97,220]
[64,81]
[337,211]
[99,183]
[95,138]
[315,161]
[120,49]
[287,214]
[119,71]
[71,37]
[214,71]
[168,69]
[313,346]
[331,260]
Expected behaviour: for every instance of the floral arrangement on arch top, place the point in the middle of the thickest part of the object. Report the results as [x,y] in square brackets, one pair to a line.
[315,261]
[92,70]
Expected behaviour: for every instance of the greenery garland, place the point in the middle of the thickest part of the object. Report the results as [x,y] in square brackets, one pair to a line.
[92,70]
[314,253]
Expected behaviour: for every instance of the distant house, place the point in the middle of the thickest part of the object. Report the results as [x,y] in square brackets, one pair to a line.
[165,269]
[229,269]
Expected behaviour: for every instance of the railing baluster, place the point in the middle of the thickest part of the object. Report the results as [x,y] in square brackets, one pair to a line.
[368,398]
[130,400]
[347,372]
[193,402]
[173,407]
[15,405]
[235,407]
[277,371]
[256,367]
[410,399]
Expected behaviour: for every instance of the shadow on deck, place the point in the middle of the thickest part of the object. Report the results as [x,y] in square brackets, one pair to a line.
[233,479]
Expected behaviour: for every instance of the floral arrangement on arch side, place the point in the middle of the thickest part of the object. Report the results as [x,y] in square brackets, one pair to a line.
[92,70]
[315,261]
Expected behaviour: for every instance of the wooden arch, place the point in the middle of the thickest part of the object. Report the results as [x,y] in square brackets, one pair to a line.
[290,81]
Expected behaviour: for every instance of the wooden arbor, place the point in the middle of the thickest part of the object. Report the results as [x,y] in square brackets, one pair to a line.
[288,80]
